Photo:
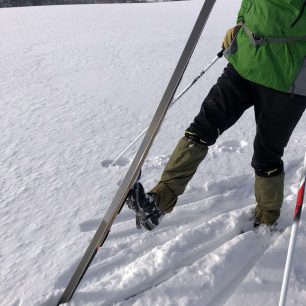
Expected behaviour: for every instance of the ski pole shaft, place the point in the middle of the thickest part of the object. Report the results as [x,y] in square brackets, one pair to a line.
[294,231]
[219,55]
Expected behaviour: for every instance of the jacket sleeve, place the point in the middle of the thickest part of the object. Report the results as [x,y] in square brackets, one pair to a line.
[243,9]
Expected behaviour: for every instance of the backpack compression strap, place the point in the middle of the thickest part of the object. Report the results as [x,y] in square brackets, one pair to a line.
[257,40]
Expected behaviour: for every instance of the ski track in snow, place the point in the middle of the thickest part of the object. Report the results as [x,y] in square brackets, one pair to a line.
[215,272]
[201,248]
[167,254]
[88,83]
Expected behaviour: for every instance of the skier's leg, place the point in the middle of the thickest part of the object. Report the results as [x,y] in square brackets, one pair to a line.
[179,170]
[269,197]
[225,103]
[276,115]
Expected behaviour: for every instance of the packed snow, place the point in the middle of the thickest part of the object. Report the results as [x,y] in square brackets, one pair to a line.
[78,84]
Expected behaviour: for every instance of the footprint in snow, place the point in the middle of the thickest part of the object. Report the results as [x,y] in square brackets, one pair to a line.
[17,302]
[90,225]
[232,146]
[121,162]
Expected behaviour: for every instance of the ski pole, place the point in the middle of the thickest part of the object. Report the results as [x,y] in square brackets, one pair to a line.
[219,55]
[294,230]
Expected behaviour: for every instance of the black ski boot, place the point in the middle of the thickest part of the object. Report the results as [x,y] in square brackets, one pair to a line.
[148,214]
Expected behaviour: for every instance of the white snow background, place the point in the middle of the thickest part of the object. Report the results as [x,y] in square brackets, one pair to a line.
[77,85]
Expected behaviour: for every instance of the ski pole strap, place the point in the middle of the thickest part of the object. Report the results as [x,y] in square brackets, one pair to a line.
[257,40]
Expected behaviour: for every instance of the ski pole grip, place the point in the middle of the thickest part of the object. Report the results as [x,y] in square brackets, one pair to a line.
[220,54]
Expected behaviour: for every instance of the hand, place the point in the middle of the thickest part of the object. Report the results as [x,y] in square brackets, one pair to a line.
[229,36]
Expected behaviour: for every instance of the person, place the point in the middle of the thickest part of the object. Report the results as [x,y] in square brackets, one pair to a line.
[266,51]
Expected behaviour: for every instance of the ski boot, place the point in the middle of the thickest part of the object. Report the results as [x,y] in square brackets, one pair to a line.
[148,215]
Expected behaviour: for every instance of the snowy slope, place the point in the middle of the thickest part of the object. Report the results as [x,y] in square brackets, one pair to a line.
[78,83]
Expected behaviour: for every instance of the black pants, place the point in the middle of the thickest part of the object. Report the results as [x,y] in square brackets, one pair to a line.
[276,115]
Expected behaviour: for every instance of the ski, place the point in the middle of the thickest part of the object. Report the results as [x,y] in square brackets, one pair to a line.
[134,170]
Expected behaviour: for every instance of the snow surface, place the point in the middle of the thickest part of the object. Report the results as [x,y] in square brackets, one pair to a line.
[78,84]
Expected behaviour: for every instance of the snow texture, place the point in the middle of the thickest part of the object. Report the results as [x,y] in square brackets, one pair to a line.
[78,84]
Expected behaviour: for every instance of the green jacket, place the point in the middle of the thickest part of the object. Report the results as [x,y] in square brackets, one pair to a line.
[277,65]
